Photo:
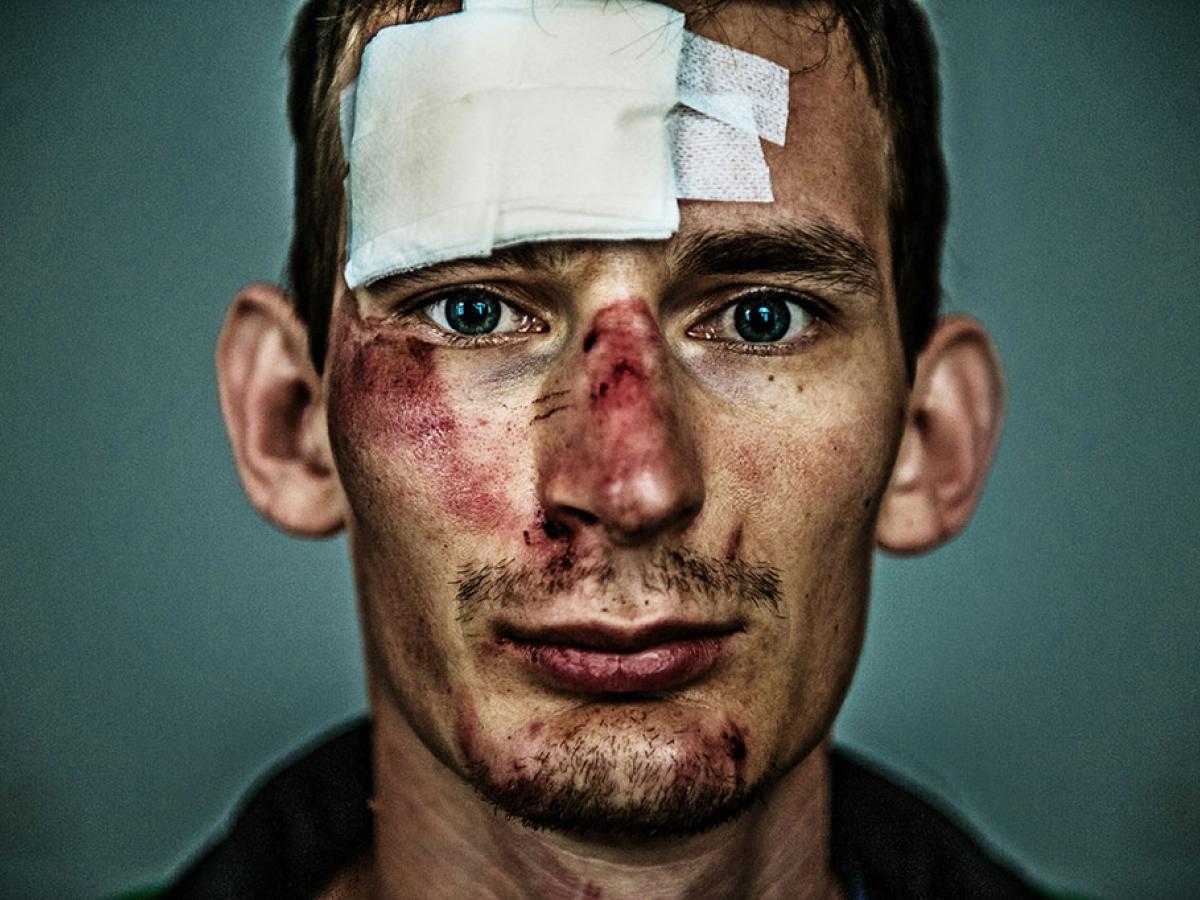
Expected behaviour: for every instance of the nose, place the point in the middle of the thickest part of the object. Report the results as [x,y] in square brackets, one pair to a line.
[616,458]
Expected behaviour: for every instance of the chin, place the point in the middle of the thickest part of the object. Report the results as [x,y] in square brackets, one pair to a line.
[622,771]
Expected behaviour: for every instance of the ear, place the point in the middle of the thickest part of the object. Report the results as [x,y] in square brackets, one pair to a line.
[954,417]
[274,410]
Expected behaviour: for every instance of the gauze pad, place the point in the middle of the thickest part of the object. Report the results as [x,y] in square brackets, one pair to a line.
[535,120]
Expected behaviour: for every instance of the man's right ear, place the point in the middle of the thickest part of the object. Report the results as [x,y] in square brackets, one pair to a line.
[274,409]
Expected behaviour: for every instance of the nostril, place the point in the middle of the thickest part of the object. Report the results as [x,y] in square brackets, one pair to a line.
[554,530]
[562,526]
[585,517]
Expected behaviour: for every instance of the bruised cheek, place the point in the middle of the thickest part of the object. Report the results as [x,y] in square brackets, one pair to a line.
[397,432]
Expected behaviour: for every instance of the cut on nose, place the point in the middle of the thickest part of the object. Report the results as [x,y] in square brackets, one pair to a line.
[619,459]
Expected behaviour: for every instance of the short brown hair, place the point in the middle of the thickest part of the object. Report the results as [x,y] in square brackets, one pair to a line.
[893,42]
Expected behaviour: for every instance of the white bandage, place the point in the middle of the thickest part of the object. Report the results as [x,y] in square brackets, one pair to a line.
[728,100]
[534,120]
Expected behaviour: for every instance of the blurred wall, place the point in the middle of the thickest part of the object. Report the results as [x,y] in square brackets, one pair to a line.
[161,645]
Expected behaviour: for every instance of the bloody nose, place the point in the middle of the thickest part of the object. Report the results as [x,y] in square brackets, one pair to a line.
[617,459]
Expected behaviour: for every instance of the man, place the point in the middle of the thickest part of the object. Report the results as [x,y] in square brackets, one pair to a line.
[612,503]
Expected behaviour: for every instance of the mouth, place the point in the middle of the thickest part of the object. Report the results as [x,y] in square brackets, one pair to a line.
[591,659]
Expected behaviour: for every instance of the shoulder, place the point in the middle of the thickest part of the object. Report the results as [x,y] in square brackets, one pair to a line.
[300,827]
[903,847]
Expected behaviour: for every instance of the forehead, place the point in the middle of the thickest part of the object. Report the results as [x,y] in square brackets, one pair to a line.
[835,164]
[834,167]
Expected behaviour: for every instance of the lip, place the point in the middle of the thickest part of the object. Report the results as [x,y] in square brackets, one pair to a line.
[588,659]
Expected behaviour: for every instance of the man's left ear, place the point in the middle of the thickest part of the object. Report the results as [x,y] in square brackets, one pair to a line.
[954,415]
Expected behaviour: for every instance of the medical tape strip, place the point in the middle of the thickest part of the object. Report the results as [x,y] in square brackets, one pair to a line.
[582,121]
[728,100]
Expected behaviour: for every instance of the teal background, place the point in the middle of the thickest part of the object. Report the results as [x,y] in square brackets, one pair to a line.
[161,645]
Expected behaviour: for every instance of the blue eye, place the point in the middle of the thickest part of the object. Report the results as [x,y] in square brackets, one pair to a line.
[762,319]
[477,312]
[473,312]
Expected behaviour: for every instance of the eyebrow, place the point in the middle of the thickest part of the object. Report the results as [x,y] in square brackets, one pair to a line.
[820,253]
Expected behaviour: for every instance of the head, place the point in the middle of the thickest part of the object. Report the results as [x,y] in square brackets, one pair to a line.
[612,506]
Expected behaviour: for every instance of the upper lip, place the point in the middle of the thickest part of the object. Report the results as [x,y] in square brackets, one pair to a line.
[615,639]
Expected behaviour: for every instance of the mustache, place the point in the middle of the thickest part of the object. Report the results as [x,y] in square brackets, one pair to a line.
[705,579]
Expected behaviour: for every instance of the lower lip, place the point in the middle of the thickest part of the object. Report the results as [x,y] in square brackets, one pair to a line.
[657,668]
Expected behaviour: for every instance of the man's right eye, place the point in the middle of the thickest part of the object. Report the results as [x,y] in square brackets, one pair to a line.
[475,312]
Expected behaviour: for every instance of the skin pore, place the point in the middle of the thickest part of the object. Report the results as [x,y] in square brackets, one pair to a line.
[614,482]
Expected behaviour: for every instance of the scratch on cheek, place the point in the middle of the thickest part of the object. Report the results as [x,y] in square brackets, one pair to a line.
[545,398]
[542,417]
[735,544]
[735,747]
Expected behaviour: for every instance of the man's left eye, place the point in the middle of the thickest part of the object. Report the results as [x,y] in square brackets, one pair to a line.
[473,312]
[764,317]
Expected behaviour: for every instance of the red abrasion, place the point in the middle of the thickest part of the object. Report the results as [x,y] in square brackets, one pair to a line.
[735,544]
[707,757]
[617,462]
[558,547]
[391,392]
[746,462]
[735,743]
[627,437]
[627,340]
[554,543]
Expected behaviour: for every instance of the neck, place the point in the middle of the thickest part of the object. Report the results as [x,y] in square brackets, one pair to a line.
[435,838]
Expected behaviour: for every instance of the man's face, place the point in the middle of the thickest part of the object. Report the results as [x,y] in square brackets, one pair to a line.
[613,503]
